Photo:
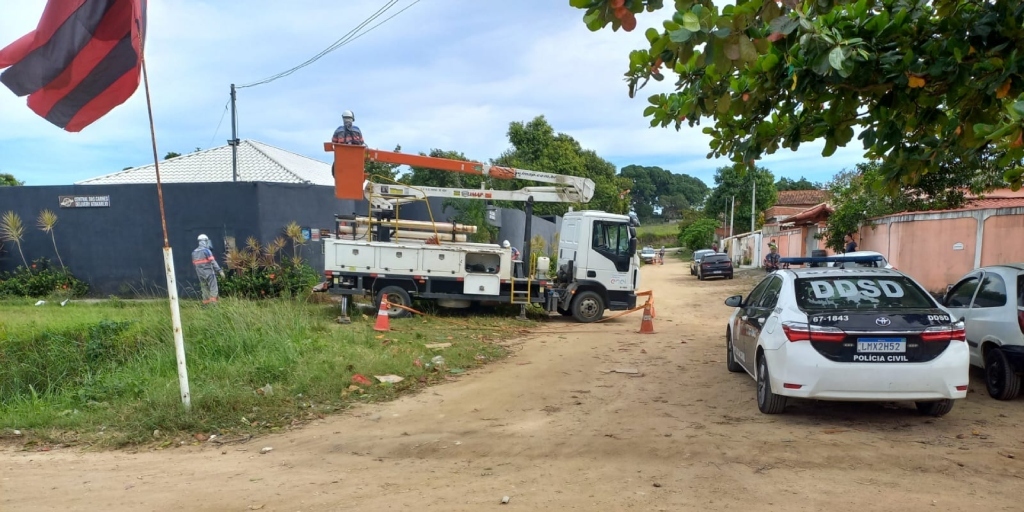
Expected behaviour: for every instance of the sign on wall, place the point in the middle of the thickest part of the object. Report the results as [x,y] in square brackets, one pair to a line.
[84,201]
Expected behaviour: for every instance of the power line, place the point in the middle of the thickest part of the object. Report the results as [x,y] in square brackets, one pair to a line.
[352,35]
[215,132]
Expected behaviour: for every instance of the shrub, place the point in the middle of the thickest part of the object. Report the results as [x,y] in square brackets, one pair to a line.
[255,272]
[41,279]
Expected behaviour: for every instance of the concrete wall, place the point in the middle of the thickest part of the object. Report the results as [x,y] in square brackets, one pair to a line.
[936,249]
[513,229]
[118,249]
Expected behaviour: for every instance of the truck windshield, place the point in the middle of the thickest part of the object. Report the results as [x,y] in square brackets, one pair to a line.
[860,292]
[611,238]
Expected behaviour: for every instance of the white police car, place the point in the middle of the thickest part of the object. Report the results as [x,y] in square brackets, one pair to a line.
[851,334]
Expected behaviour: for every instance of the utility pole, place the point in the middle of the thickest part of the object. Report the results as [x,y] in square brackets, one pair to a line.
[753,204]
[732,215]
[234,137]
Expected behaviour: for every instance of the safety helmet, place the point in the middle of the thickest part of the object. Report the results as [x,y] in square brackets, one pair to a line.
[204,237]
[348,114]
[505,244]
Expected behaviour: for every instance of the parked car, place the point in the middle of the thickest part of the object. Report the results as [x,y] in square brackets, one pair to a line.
[990,300]
[714,265]
[854,334]
[697,255]
[648,254]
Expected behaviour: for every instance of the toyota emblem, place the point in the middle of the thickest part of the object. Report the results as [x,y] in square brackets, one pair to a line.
[882,321]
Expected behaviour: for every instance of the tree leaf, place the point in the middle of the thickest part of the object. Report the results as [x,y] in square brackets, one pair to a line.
[732,50]
[691,22]
[680,36]
[747,50]
[1018,107]
[836,58]
[724,103]
[915,81]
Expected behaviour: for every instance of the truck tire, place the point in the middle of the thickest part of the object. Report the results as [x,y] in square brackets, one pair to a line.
[587,307]
[396,295]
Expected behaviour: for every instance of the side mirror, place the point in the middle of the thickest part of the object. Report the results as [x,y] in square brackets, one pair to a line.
[632,247]
[735,301]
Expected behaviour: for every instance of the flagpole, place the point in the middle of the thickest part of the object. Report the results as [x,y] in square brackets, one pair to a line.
[172,287]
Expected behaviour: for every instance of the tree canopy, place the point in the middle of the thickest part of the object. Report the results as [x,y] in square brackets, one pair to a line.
[536,146]
[926,82]
[654,187]
[801,184]
[734,181]
[8,180]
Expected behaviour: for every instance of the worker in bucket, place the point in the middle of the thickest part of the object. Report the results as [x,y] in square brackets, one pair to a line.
[347,133]
[206,269]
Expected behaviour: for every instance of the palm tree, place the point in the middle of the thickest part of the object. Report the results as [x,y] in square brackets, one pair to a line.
[13,230]
[46,221]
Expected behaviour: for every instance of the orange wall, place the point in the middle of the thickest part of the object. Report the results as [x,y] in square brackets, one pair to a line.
[1003,240]
[924,249]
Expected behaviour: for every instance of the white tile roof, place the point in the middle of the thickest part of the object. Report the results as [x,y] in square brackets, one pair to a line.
[256,162]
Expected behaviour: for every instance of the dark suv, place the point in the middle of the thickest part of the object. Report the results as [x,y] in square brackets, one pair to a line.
[715,265]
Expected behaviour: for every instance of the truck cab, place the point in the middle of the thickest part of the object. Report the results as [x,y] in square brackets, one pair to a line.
[599,266]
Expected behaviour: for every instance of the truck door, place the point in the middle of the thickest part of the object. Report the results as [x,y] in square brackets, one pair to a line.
[609,260]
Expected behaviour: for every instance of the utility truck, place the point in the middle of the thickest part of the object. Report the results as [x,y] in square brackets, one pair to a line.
[382,254]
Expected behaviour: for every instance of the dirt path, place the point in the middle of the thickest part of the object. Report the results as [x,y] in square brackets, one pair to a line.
[550,430]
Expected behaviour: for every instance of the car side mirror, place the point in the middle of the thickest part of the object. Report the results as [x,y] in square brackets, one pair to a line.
[735,301]
[632,247]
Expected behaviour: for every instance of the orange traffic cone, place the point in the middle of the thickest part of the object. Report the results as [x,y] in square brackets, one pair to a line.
[651,303]
[647,324]
[383,323]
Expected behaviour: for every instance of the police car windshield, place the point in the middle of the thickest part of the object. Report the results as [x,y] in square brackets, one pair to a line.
[860,292]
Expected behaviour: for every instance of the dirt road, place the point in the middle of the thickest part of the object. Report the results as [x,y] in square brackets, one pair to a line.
[552,431]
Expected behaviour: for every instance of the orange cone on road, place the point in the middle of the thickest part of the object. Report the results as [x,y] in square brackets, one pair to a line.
[383,322]
[647,324]
[650,302]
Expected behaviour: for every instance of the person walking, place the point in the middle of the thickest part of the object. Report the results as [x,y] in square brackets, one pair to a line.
[661,255]
[207,270]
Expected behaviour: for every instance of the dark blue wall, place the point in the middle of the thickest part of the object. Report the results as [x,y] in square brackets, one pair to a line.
[118,249]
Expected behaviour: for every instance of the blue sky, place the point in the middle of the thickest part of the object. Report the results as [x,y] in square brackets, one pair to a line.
[448,74]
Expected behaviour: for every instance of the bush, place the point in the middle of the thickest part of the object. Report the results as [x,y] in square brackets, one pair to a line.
[41,279]
[255,272]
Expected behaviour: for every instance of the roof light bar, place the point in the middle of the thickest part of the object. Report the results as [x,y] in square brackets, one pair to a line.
[833,259]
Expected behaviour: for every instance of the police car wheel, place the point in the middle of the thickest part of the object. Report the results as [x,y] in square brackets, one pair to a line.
[767,401]
[937,408]
[730,358]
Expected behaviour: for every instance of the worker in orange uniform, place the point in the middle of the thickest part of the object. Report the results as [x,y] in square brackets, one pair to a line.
[206,269]
[347,133]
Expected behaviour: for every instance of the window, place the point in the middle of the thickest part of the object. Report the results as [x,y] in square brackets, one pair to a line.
[755,294]
[611,240]
[961,295]
[771,294]
[860,292]
[1020,290]
[992,293]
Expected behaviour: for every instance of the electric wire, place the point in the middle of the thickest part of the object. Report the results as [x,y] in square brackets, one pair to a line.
[350,36]
[219,123]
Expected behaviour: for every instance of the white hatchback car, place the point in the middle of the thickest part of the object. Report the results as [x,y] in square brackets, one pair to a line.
[853,334]
[990,300]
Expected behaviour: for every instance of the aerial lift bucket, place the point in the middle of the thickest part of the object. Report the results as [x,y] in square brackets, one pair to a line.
[349,169]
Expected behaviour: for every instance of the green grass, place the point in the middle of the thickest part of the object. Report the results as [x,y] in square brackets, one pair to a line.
[105,373]
[659,230]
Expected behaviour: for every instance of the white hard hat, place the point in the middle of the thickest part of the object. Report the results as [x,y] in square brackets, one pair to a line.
[506,244]
[203,237]
[348,113]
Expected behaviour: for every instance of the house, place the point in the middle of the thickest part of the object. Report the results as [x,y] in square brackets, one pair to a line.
[792,202]
[796,222]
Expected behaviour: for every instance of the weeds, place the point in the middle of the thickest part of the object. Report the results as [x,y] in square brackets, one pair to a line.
[106,373]
[13,230]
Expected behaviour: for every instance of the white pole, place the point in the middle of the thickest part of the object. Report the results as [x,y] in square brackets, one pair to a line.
[172,287]
[732,216]
[179,339]
[753,203]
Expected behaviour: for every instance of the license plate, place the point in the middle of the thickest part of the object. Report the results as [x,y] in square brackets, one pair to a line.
[716,272]
[883,345]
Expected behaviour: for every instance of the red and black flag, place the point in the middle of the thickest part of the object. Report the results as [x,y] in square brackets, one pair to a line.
[83,59]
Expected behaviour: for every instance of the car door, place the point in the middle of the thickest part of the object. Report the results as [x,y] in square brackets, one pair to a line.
[758,315]
[743,333]
[988,313]
[959,300]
